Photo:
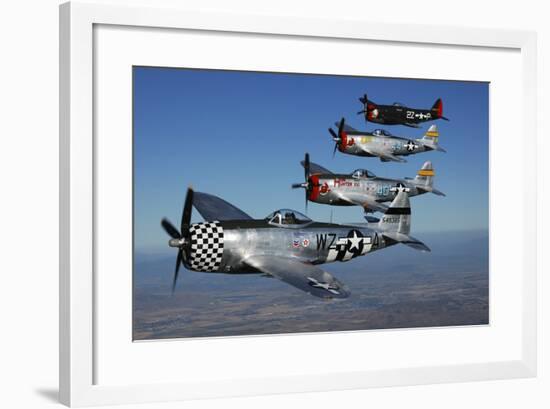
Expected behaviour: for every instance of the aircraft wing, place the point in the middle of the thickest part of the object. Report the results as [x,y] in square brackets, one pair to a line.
[382,154]
[363,200]
[347,128]
[213,208]
[315,168]
[304,276]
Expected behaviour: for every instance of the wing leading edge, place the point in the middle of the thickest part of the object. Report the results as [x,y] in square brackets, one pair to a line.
[214,208]
[316,168]
[304,276]
[382,155]
[360,199]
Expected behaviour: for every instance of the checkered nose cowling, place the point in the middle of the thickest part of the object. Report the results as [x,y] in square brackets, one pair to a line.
[206,246]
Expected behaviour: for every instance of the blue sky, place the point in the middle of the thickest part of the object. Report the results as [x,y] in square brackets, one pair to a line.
[241,136]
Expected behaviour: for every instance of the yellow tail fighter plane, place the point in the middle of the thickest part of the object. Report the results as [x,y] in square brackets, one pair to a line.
[361,187]
[382,144]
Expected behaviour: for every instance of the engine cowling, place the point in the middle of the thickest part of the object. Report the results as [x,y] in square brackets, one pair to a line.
[206,248]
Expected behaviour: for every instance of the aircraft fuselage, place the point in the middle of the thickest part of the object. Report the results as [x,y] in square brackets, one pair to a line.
[227,244]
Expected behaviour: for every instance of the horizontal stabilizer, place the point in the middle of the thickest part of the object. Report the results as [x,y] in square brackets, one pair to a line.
[406,240]
[431,190]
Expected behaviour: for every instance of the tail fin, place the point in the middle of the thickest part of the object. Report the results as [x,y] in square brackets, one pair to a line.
[425,175]
[398,216]
[431,138]
[437,109]
[431,135]
[395,225]
[424,179]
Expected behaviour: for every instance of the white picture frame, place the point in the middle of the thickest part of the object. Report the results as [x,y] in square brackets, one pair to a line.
[78,386]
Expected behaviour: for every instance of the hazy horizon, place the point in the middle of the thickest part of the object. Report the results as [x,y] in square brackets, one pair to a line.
[394,288]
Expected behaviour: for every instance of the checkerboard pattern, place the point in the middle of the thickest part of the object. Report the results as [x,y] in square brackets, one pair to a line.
[206,246]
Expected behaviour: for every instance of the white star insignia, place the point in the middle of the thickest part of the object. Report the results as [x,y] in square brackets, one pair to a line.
[355,241]
[400,188]
[325,286]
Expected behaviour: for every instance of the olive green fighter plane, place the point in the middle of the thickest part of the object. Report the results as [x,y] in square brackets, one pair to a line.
[381,143]
[285,245]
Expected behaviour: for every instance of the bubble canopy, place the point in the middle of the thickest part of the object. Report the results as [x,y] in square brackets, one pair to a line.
[287,217]
[381,132]
[363,173]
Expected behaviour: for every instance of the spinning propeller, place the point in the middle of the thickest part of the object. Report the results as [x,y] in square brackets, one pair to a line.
[364,100]
[308,184]
[180,239]
[337,138]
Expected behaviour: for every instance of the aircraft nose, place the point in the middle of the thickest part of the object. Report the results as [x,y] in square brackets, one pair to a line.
[207,244]
[176,242]
[315,187]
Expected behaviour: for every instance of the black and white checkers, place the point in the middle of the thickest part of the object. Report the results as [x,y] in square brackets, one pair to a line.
[206,246]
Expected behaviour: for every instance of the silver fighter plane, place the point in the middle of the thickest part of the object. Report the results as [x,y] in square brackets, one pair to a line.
[286,244]
[382,144]
[361,187]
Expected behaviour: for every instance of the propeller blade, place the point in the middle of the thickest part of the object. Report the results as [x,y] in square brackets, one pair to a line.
[341,127]
[178,265]
[170,229]
[307,174]
[334,135]
[334,150]
[186,215]
[364,100]
[297,185]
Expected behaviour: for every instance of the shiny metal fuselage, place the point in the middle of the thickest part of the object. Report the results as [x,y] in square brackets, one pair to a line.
[381,189]
[315,243]
[352,145]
